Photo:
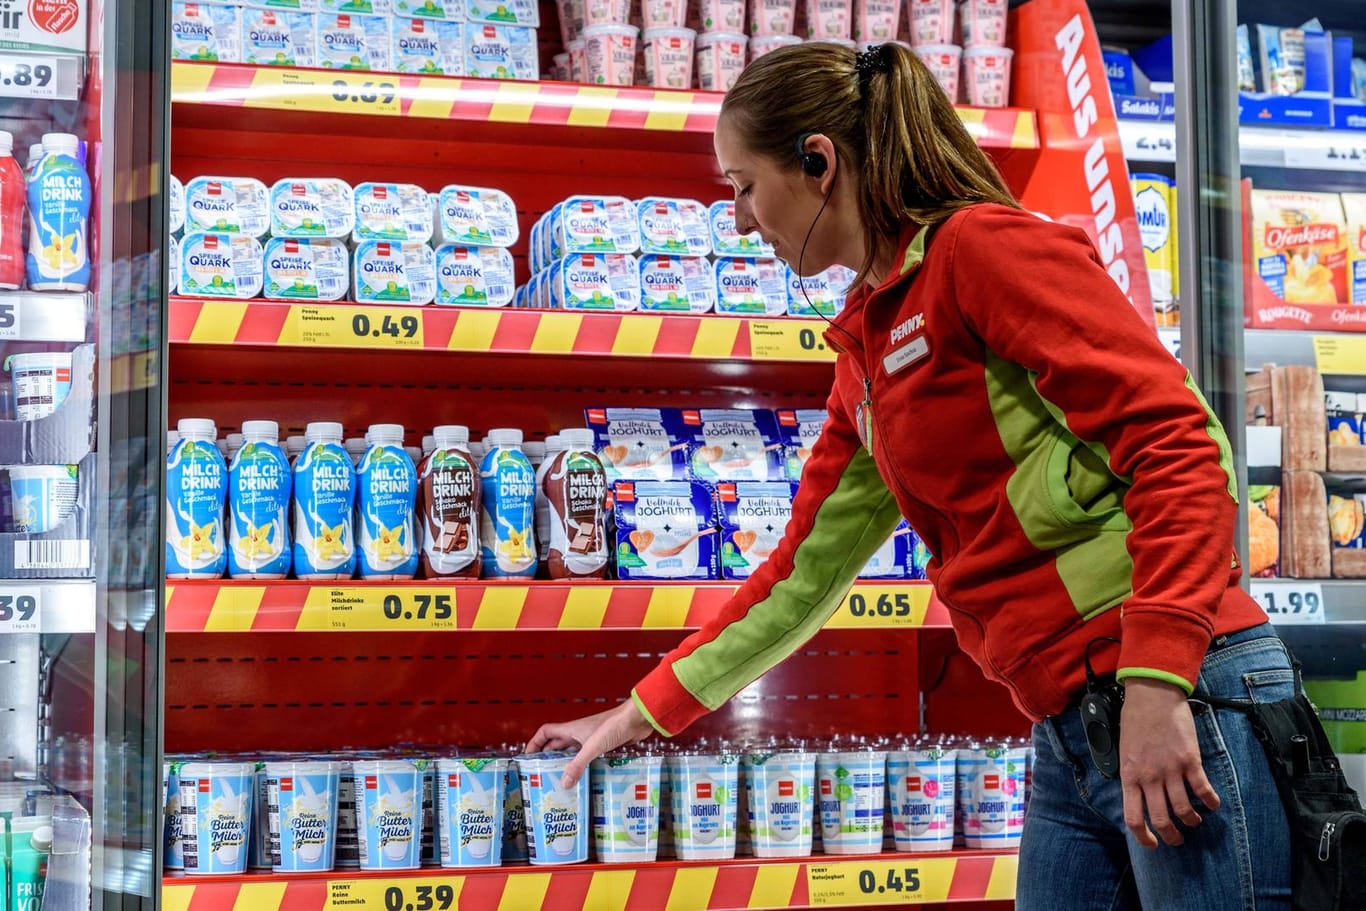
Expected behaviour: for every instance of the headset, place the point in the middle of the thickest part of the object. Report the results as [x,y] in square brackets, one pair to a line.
[813,163]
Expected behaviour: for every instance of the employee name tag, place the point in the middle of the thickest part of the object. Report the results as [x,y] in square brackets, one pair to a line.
[905,355]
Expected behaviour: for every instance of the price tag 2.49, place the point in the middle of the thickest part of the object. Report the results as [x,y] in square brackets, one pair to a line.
[19,611]
[1290,601]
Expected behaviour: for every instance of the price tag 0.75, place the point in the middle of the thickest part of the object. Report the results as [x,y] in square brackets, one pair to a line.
[19,611]
[24,76]
[377,609]
[1290,601]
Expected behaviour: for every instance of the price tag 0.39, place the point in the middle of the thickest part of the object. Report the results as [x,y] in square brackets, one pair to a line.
[1290,601]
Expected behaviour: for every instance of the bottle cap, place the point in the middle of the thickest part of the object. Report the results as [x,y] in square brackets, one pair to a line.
[504,437]
[261,431]
[197,428]
[451,435]
[41,840]
[553,444]
[579,439]
[323,432]
[62,143]
[385,434]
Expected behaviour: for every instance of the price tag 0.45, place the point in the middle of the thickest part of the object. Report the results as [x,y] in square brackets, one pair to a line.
[873,882]
[1290,601]
[19,611]
[24,76]
[787,340]
[377,609]
[353,327]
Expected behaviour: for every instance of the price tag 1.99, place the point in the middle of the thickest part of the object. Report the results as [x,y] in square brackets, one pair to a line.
[25,76]
[1290,601]
[903,882]
[19,610]
[353,327]
[787,340]
[371,609]
[426,894]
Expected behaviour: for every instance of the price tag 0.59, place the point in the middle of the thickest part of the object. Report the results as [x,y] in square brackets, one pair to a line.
[19,611]
[787,340]
[378,609]
[28,77]
[1290,601]
[353,327]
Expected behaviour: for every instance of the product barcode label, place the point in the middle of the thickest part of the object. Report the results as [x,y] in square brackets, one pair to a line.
[58,553]
[273,810]
[496,292]
[189,822]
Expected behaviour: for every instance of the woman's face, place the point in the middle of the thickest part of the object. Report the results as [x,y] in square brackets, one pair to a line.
[781,202]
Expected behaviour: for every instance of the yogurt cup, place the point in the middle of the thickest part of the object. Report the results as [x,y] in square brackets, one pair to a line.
[389,814]
[677,226]
[779,788]
[470,795]
[657,14]
[393,211]
[394,273]
[676,284]
[668,55]
[238,205]
[348,841]
[761,45]
[705,804]
[41,382]
[559,69]
[303,815]
[571,14]
[474,276]
[431,833]
[993,796]
[610,54]
[557,817]
[605,12]
[828,20]
[42,497]
[578,67]
[219,264]
[986,73]
[983,22]
[175,205]
[721,16]
[726,240]
[944,63]
[876,21]
[851,792]
[624,795]
[215,803]
[174,839]
[720,60]
[931,21]
[258,844]
[310,270]
[921,794]
[312,207]
[769,18]
[752,286]
[477,216]
[595,281]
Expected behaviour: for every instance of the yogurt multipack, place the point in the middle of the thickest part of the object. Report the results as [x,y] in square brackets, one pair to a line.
[753,516]
[353,41]
[240,205]
[501,52]
[595,224]
[276,37]
[732,444]
[798,428]
[474,276]
[639,444]
[219,264]
[821,294]
[677,226]
[316,269]
[676,284]
[394,273]
[206,32]
[595,281]
[476,216]
[447,10]
[896,558]
[312,207]
[430,47]
[175,205]
[393,211]
[665,530]
[749,286]
[726,240]
[526,13]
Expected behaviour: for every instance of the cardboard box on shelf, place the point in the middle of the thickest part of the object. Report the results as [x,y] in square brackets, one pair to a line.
[1300,245]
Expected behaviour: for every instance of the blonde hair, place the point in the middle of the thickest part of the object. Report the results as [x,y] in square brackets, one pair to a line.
[891,124]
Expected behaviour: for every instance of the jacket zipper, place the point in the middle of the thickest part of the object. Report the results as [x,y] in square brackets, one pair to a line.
[1326,840]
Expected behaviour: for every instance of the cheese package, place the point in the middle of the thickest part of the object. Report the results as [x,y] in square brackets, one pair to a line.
[753,515]
[1154,207]
[665,530]
[732,444]
[1354,206]
[1300,243]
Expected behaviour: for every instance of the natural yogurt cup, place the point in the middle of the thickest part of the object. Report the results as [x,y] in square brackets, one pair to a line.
[217,796]
[595,224]
[828,19]
[278,37]
[394,273]
[474,276]
[771,17]
[931,21]
[428,46]
[705,794]
[722,16]
[921,788]
[676,284]
[726,240]
[304,269]
[991,792]
[500,52]
[876,20]
[470,793]
[668,55]
[944,63]
[610,54]
[851,792]
[986,72]
[761,45]
[303,818]
[218,264]
[557,817]
[624,796]
[720,60]
[750,286]
[821,294]
[312,207]
[595,281]
[240,205]
[389,814]
[676,226]
[206,32]
[393,211]
[476,216]
[349,41]
[779,788]
[983,22]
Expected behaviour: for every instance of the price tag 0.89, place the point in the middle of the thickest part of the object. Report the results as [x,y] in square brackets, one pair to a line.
[787,340]
[19,611]
[24,76]
[1290,601]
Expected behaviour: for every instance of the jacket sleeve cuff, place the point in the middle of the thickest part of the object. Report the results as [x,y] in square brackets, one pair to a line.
[665,703]
[1161,645]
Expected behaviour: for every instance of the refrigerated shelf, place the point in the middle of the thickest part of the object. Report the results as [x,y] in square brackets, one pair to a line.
[1330,150]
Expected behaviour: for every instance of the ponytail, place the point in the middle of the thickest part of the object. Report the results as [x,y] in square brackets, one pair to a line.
[890,122]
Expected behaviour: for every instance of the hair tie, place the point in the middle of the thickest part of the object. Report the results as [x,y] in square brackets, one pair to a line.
[866,63]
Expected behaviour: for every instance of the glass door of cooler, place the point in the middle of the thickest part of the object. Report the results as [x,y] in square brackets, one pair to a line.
[81,282]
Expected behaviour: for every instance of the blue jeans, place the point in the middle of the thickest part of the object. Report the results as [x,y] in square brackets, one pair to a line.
[1076,852]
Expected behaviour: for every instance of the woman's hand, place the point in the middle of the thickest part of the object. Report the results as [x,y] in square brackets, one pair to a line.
[593,736]
[1159,756]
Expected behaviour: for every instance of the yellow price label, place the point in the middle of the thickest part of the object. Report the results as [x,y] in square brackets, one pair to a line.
[352,327]
[370,609]
[882,606]
[880,882]
[336,92]
[1344,354]
[787,340]
[431,893]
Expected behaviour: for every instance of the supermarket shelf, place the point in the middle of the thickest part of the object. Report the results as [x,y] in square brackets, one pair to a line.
[1334,354]
[1332,150]
[741,884]
[41,77]
[243,607]
[47,607]
[1297,602]
[43,316]
[485,101]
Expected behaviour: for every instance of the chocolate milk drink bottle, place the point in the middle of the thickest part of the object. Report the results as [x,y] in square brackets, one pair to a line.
[448,507]
[575,487]
[552,448]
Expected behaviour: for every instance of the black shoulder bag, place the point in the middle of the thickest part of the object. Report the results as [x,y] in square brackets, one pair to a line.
[1327,826]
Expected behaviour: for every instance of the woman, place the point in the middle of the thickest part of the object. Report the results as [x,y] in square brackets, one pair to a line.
[995,387]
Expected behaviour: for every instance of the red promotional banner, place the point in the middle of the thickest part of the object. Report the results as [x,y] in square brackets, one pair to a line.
[1082,179]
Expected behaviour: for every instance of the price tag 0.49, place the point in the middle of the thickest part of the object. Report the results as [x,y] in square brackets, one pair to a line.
[787,340]
[378,609]
[353,327]
[19,611]
[24,76]
[1290,601]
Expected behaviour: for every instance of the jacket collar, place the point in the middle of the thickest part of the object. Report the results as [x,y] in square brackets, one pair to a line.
[909,255]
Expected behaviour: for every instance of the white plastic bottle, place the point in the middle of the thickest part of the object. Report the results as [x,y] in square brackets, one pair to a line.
[59,198]
[196,491]
[259,486]
[324,506]
[386,507]
[575,488]
[507,533]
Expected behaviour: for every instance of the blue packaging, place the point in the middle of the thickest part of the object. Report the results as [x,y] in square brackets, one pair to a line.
[624,794]
[640,444]
[174,857]
[753,516]
[665,530]
[733,444]
[677,226]
[798,428]
[303,818]
[751,287]
[895,558]
[58,256]
[821,294]
[389,814]
[851,791]
[470,792]
[196,491]
[705,792]
[726,240]
[278,37]
[595,281]
[779,788]
[1119,69]
[507,526]
[676,284]
[216,808]
[557,817]
[386,501]
[259,484]
[324,507]
[921,791]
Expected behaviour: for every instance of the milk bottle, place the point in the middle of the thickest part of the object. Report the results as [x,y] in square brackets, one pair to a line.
[386,501]
[259,483]
[507,536]
[59,215]
[575,488]
[324,501]
[196,487]
[448,506]
[552,447]
[355,448]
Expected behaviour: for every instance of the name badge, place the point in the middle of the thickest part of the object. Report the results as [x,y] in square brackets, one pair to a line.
[906,355]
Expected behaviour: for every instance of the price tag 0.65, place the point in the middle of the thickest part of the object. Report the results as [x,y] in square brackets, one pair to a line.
[19,611]
[1290,601]
[25,76]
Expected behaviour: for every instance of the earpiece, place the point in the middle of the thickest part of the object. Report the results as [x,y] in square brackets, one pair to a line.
[813,163]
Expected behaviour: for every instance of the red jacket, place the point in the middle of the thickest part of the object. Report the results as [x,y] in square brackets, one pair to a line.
[1063,469]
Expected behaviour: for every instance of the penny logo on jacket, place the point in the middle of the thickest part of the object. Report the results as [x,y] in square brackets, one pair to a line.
[914,348]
